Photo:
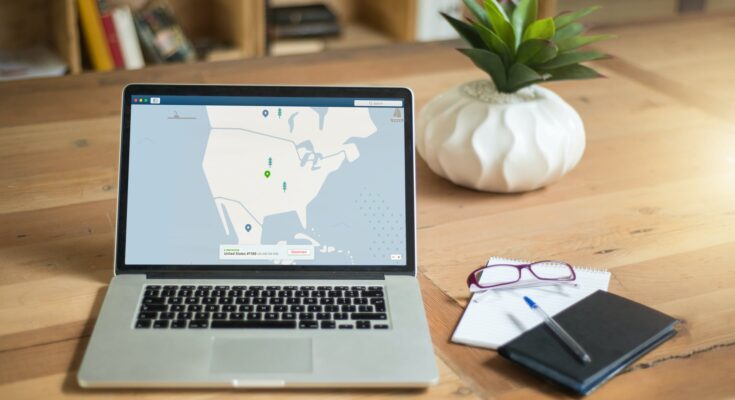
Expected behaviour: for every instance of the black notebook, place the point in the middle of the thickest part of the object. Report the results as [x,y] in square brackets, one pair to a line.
[613,330]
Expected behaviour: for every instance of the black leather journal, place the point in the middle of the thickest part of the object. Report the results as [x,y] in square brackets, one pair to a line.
[613,330]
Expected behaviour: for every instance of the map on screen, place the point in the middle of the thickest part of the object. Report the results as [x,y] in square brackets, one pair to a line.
[275,184]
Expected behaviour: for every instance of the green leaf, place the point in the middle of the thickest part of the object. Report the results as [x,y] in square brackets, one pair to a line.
[536,51]
[477,11]
[545,54]
[569,58]
[490,63]
[494,43]
[465,30]
[507,6]
[520,75]
[567,18]
[528,49]
[575,71]
[573,29]
[541,29]
[524,14]
[574,42]
[500,24]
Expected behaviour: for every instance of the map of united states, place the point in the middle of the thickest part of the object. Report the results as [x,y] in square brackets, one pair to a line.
[263,161]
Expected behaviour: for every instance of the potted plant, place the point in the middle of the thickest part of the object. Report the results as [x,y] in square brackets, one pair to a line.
[506,133]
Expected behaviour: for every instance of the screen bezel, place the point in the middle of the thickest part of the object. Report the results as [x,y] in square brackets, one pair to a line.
[266,91]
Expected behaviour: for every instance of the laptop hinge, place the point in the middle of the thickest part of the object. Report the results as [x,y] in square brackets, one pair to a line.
[313,275]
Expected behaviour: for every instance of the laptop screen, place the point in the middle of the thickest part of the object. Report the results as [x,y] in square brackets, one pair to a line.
[226,180]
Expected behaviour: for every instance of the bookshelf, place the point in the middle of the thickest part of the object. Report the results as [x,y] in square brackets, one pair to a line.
[236,29]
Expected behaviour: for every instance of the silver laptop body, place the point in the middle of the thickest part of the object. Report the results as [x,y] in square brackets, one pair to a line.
[265,238]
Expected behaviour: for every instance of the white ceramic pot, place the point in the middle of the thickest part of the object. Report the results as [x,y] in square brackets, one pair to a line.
[482,139]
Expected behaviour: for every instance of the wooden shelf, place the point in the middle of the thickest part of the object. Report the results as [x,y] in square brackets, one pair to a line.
[237,28]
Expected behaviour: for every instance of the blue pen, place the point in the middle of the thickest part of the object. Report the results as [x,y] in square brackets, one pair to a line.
[559,331]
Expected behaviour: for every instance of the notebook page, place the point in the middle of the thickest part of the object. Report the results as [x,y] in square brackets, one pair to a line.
[500,315]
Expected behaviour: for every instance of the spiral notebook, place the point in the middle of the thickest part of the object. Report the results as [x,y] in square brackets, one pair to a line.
[495,317]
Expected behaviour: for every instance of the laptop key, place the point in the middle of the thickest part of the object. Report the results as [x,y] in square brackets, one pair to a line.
[271,316]
[166,315]
[211,308]
[297,309]
[345,327]
[260,300]
[219,315]
[322,316]
[341,316]
[189,287]
[306,316]
[308,324]
[198,324]
[229,308]
[349,309]
[184,315]
[323,288]
[372,293]
[293,300]
[178,307]
[153,307]
[328,325]
[153,300]
[209,300]
[365,308]
[178,324]
[369,316]
[237,315]
[242,300]
[254,316]
[359,301]
[254,324]
[194,308]
[280,308]
[314,308]
[310,300]
[151,293]
[263,308]
[331,308]
[147,315]
[143,323]
[201,315]
[288,316]
[362,324]
[380,326]
[153,287]
[160,324]
[245,308]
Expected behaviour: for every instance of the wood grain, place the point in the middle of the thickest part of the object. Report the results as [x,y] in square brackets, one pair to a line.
[653,200]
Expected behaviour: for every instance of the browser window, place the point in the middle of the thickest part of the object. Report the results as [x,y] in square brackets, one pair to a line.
[266,180]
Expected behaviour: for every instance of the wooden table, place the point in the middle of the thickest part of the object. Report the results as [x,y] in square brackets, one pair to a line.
[653,200]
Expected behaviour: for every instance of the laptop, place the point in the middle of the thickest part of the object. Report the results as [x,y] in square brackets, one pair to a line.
[265,237]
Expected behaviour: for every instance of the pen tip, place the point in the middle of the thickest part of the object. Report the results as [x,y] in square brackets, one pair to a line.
[529,302]
[586,358]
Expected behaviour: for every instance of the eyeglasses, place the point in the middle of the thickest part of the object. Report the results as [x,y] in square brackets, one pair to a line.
[492,276]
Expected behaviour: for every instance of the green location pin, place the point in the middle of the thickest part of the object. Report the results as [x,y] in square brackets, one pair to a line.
[267,174]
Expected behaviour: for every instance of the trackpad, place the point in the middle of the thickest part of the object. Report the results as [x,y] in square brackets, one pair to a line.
[261,355]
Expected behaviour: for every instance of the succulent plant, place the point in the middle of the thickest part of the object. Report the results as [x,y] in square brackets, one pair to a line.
[517,49]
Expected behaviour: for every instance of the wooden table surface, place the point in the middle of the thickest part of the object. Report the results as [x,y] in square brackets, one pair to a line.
[653,200]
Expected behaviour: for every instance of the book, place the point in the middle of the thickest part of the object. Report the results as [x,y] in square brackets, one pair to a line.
[94,36]
[34,62]
[614,331]
[160,34]
[302,21]
[108,24]
[127,37]
[495,317]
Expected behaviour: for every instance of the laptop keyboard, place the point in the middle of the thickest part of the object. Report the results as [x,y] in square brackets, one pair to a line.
[262,307]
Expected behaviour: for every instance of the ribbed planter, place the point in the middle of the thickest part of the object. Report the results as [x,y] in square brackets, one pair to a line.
[479,138]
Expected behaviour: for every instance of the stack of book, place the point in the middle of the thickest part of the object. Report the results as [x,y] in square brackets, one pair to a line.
[117,38]
[301,29]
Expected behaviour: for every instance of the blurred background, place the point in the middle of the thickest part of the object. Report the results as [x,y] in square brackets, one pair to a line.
[41,38]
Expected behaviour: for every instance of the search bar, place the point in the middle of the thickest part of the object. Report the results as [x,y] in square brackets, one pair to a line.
[378,103]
